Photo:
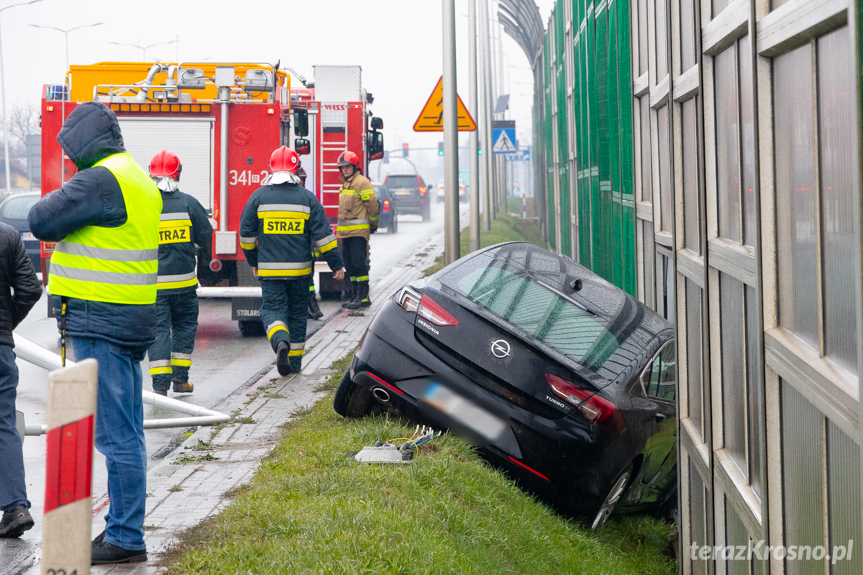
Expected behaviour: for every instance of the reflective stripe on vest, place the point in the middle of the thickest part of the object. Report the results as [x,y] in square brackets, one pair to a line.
[293,211]
[353,225]
[178,280]
[284,269]
[114,265]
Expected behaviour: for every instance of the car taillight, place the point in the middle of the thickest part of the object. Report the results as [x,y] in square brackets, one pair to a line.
[423,191]
[386,205]
[595,409]
[461,186]
[440,187]
[433,312]
[407,299]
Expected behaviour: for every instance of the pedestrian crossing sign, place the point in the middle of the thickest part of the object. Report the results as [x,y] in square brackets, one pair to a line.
[504,141]
[431,117]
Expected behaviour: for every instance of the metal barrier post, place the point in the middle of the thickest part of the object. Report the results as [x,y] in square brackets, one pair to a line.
[68,518]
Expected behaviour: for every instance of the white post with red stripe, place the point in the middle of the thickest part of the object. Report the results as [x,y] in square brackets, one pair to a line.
[66,527]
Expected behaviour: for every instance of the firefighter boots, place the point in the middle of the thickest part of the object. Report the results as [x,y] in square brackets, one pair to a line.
[283,362]
[362,300]
[183,387]
[314,310]
[353,296]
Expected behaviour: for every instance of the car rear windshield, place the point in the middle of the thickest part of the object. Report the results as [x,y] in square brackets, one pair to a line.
[540,314]
[409,182]
[19,208]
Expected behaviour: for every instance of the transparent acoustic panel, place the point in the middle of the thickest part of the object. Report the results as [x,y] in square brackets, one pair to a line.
[747,140]
[736,535]
[649,245]
[691,193]
[719,6]
[795,198]
[727,167]
[733,370]
[755,394]
[661,39]
[694,376]
[840,193]
[843,495]
[801,477]
[687,35]
[664,288]
[646,179]
[697,517]
[665,203]
[642,37]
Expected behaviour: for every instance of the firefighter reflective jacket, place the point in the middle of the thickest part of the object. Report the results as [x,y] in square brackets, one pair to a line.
[358,207]
[183,226]
[114,265]
[280,226]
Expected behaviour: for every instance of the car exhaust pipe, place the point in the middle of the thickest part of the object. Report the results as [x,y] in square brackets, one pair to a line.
[381,394]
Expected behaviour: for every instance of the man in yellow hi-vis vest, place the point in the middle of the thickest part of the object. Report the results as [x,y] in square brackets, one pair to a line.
[102,277]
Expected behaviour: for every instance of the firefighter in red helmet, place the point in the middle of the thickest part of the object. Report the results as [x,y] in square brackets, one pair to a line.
[281,224]
[358,217]
[184,228]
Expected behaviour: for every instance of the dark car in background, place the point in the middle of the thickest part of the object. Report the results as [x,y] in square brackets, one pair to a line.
[14,211]
[462,191]
[410,194]
[389,215]
[562,379]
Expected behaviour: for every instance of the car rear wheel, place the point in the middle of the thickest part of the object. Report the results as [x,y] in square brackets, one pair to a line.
[614,495]
[352,400]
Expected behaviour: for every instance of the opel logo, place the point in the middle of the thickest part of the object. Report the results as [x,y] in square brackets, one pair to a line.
[500,348]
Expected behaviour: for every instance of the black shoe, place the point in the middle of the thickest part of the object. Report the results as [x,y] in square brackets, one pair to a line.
[362,297]
[99,538]
[15,523]
[161,392]
[314,310]
[103,553]
[283,361]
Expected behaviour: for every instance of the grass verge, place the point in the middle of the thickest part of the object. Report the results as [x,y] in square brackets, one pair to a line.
[312,508]
[504,228]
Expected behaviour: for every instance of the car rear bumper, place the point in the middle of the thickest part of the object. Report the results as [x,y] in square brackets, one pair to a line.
[568,451]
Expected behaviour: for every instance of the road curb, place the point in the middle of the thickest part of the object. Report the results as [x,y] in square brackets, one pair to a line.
[194,481]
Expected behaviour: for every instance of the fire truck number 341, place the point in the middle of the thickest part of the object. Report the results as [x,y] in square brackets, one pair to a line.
[245,177]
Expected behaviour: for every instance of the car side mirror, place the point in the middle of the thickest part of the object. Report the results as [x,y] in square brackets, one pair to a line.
[376,145]
[377,123]
[301,123]
[302,147]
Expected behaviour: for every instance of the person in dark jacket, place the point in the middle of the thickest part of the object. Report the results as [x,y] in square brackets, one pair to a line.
[280,225]
[183,228]
[102,277]
[19,292]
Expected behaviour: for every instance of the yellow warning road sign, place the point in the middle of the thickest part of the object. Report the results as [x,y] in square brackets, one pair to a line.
[431,118]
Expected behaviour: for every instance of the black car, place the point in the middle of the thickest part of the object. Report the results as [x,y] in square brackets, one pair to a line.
[566,381]
[14,211]
[389,217]
[410,194]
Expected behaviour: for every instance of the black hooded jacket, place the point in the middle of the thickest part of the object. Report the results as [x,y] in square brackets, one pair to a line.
[92,197]
[19,286]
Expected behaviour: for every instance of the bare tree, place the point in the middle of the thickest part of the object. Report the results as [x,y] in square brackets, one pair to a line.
[23,122]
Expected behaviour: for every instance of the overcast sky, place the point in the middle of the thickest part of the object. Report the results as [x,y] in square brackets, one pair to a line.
[398,43]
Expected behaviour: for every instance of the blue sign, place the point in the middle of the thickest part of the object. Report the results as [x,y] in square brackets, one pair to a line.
[503,141]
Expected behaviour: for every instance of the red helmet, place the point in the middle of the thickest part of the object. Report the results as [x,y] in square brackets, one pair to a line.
[349,158]
[284,160]
[166,164]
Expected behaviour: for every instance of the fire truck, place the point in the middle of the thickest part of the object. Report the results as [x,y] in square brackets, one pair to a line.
[223,120]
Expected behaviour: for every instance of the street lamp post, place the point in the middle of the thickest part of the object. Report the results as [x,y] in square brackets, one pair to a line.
[3,94]
[144,49]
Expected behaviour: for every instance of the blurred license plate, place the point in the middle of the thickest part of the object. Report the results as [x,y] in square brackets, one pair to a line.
[402,192]
[27,236]
[464,411]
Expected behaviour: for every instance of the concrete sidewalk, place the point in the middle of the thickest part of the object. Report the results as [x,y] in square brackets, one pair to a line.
[190,483]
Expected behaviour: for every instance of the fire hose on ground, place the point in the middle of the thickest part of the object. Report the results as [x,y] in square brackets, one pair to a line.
[38,355]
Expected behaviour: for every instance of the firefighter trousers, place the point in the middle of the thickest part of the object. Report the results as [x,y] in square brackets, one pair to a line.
[284,310]
[176,324]
[355,252]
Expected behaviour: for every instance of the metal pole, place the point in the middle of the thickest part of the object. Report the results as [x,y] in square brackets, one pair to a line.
[452,248]
[223,173]
[474,136]
[488,154]
[5,123]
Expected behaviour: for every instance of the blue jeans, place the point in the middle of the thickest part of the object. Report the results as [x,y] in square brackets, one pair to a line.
[120,437]
[13,490]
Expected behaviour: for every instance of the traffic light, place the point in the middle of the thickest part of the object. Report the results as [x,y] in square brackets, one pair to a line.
[440,148]
[405,150]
